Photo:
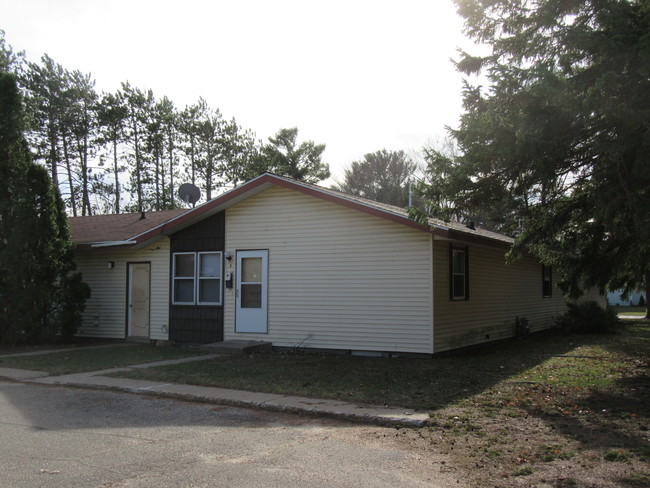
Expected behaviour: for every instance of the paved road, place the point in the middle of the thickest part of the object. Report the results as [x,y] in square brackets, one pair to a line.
[61,437]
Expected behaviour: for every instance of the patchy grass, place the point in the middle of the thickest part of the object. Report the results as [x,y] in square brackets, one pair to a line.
[93,358]
[380,381]
[560,411]
[551,453]
[585,366]
[527,471]
[576,419]
[638,479]
[545,360]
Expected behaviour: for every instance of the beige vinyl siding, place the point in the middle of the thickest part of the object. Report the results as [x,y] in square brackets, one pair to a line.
[338,278]
[498,295]
[105,314]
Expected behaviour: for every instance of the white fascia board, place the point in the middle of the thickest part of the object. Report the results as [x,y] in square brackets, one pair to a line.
[112,243]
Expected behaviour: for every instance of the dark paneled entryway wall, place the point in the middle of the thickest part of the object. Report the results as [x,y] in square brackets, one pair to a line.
[198,324]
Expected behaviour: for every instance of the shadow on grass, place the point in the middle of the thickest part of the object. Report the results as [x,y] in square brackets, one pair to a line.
[419,383]
[614,419]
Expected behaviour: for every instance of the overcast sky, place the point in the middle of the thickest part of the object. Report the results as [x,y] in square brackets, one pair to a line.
[358,76]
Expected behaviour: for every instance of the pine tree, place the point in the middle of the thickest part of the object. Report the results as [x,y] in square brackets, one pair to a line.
[284,156]
[560,136]
[382,176]
[47,84]
[212,147]
[112,114]
[40,295]
[139,106]
[83,126]
[189,129]
[10,60]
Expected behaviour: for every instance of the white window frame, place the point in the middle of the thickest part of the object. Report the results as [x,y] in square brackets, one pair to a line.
[196,278]
[175,279]
[199,278]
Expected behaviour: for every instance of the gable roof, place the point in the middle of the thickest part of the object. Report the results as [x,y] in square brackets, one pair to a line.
[158,224]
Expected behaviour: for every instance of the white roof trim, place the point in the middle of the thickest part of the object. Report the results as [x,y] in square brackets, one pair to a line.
[112,243]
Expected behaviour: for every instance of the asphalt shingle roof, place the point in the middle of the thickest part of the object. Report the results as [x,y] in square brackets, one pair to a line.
[121,227]
[117,227]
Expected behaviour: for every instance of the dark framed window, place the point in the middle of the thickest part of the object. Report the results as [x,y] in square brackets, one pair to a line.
[196,278]
[458,273]
[547,281]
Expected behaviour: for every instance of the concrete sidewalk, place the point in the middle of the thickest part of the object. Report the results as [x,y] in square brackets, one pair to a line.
[270,401]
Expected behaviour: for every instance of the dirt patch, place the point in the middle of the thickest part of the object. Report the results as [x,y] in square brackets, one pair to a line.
[544,436]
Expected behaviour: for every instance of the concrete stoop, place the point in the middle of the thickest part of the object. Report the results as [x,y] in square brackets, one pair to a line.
[237,347]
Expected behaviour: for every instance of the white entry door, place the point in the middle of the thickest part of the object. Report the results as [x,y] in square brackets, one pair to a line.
[251,297]
[139,294]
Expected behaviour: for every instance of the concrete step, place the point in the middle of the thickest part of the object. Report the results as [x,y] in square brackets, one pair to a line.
[237,347]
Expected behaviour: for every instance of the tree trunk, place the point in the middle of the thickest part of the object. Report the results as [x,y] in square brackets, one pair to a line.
[208,181]
[84,179]
[647,289]
[192,162]
[83,156]
[66,156]
[138,168]
[171,171]
[117,177]
[157,176]
[54,157]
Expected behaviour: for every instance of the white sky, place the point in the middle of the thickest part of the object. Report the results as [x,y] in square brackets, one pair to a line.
[356,75]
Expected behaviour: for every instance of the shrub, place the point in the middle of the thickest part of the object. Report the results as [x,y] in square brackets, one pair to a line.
[587,318]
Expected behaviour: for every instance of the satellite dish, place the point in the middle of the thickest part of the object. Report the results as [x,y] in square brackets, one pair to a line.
[189,193]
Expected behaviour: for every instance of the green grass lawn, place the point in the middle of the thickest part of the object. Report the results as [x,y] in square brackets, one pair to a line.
[590,361]
[634,311]
[94,358]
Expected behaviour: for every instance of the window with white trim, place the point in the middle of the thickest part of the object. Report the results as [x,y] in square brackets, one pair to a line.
[458,273]
[196,278]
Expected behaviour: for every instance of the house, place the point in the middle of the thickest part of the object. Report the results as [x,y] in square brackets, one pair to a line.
[304,266]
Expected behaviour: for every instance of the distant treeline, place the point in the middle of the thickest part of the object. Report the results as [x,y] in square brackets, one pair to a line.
[129,151]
